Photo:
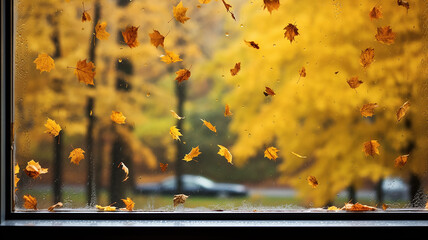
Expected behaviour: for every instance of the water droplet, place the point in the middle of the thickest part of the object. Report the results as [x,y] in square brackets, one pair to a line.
[227,34]
[148,94]
[120,60]
[242,25]
[274,45]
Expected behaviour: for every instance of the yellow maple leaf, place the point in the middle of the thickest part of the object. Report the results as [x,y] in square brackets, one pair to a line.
[227,111]
[16,171]
[44,63]
[129,204]
[370,148]
[175,133]
[84,72]
[33,169]
[271,153]
[106,208]
[156,38]
[180,12]
[403,110]
[223,151]
[209,125]
[170,57]
[30,202]
[312,181]
[367,110]
[192,154]
[76,155]
[100,31]
[52,127]
[182,75]
[117,117]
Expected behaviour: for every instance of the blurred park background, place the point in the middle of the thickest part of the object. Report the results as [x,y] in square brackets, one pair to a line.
[314,121]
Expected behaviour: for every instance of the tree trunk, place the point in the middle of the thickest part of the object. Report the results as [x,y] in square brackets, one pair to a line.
[352,196]
[118,154]
[417,197]
[379,192]
[180,91]
[57,168]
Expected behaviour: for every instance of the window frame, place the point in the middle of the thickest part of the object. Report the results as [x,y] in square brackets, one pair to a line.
[207,222]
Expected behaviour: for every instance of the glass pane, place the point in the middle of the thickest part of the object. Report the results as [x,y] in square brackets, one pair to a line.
[240,105]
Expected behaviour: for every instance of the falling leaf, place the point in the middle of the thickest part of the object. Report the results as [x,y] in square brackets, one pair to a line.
[175,133]
[30,202]
[56,205]
[209,125]
[175,115]
[385,35]
[302,72]
[268,91]
[156,38]
[225,153]
[129,204]
[227,111]
[367,57]
[403,4]
[290,32]
[16,171]
[367,110]
[370,148]
[312,181]
[252,44]
[100,31]
[117,117]
[86,17]
[52,127]
[84,72]
[170,57]
[271,153]
[125,170]
[180,12]
[44,63]
[33,169]
[182,75]
[179,199]
[400,161]
[228,7]
[298,155]
[163,166]
[130,36]
[357,207]
[403,110]
[236,69]
[354,82]
[192,154]
[108,208]
[271,5]
[76,155]
[375,13]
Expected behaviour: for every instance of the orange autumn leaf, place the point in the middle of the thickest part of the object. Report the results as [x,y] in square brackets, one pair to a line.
[56,205]
[209,125]
[354,82]
[228,7]
[236,69]
[291,31]
[252,44]
[367,57]
[163,166]
[271,5]
[375,13]
[367,110]
[117,117]
[357,207]
[100,31]
[403,110]
[76,156]
[180,12]
[16,171]
[130,36]
[156,39]
[182,75]
[175,115]
[52,127]
[44,63]
[400,161]
[271,153]
[179,199]
[227,111]
[170,57]
[86,17]
[30,202]
[175,133]
[384,206]
[223,151]
[192,154]
[371,148]
[129,204]
[268,91]
[125,170]
[312,181]
[33,169]
[385,35]
[84,72]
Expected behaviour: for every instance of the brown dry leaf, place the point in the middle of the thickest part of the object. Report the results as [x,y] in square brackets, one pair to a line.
[163,166]
[170,57]
[125,170]
[108,208]
[385,35]
[370,148]
[252,44]
[375,13]
[52,127]
[384,206]
[84,72]
[86,17]
[367,57]
[192,154]
[129,204]
[403,110]
[209,125]
[357,207]
[117,117]
[228,7]
[175,115]
[182,75]
[76,156]
[33,169]
[312,181]
[130,36]
[179,199]
[400,161]
[290,32]
[354,82]
[175,133]
[271,153]
[156,38]
[236,69]
[44,63]
[30,202]
[180,13]
[367,110]
[268,91]
[227,111]
[56,205]
[271,5]
[403,4]
[223,151]
[100,31]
